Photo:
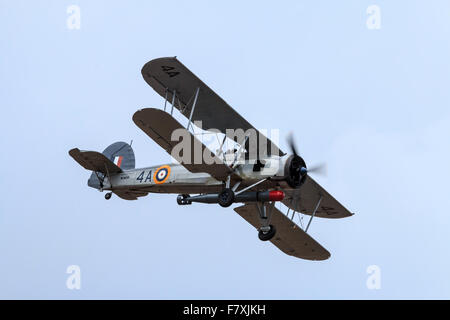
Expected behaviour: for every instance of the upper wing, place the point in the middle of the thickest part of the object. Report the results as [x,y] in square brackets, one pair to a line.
[160,125]
[305,199]
[289,237]
[168,75]
[94,161]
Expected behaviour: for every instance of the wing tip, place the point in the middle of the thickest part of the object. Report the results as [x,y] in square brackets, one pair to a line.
[156,60]
[73,152]
[350,214]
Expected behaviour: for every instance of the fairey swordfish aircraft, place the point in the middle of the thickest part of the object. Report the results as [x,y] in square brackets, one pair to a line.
[258,174]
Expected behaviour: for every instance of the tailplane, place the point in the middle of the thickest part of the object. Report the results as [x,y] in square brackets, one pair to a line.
[114,159]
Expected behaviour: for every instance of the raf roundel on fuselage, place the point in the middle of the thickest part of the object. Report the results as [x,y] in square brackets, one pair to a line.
[161,174]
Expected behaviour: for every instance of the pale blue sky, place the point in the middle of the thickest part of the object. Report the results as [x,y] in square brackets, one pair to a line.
[373,104]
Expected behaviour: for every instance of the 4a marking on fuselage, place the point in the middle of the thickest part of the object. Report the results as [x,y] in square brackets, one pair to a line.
[148,177]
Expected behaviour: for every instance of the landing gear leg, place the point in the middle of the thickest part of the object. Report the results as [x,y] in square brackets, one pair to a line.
[108,195]
[267,231]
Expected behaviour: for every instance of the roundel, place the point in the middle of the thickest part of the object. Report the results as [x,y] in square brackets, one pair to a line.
[161,174]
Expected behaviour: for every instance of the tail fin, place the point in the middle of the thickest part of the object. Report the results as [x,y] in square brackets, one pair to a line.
[121,154]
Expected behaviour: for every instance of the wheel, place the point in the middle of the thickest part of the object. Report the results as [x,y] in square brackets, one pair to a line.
[267,235]
[108,195]
[226,197]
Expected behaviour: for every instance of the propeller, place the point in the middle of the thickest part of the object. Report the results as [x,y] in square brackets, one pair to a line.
[291,143]
[320,168]
[298,169]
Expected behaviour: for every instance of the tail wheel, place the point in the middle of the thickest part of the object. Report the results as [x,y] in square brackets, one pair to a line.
[267,235]
[108,195]
[226,197]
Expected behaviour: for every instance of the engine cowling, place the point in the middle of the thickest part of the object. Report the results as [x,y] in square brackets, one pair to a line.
[295,171]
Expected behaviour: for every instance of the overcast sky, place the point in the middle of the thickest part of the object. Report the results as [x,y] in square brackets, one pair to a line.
[366,93]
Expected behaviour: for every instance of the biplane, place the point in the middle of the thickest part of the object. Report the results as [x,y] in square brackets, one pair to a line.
[255,173]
